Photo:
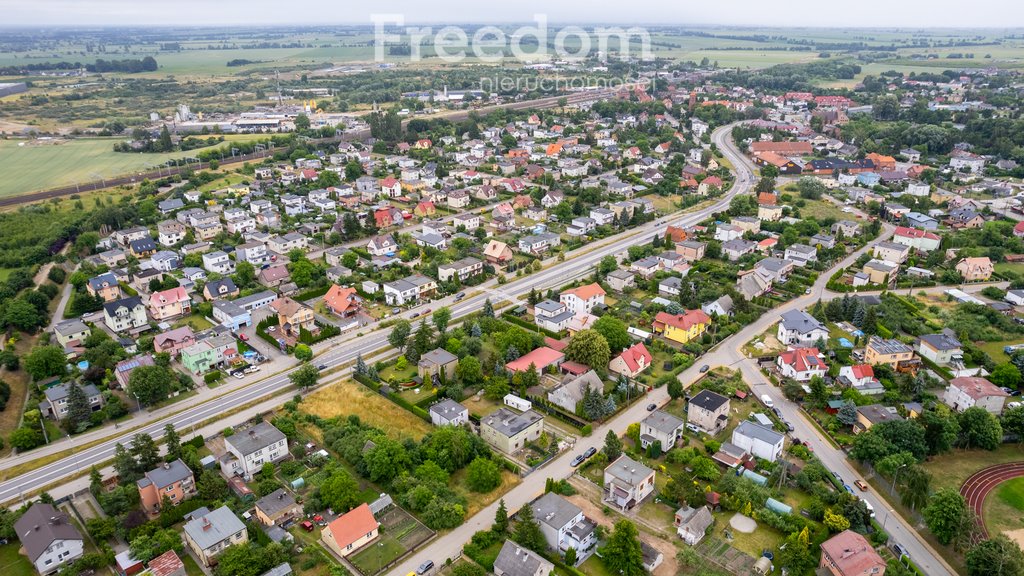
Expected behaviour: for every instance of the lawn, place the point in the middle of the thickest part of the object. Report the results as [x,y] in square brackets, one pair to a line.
[763,538]
[593,566]
[1014,267]
[345,397]
[191,568]
[820,209]
[950,470]
[30,166]
[196,321]
[1004,510]
[378,554]
[995,349]
[14,564]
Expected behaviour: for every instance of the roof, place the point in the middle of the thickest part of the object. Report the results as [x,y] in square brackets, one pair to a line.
[508,423]
[888,346]
[61,391]
[852,554]
[915,233]
[340,299]
[684,321]
[756,431]
[255,438]
[554,510]
[447,408]
[516,560]
[696,520]
[130,302]
[628,470]
[801,322]
[941,341]
[286,306]
[68,327]
[166,475]
[213,286]
[977,387]
[438,357]
[863,371]
[632,355]
[166,564]
[663,422]
[214,527]
[586,292]
[803,359]
[176,335]
[540,358]
[42,525]
[876,413]
[708,400]
[352,525]
[275,502]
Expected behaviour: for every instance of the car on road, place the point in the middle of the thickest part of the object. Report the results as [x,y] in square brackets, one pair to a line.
[460,296]
[243,337]
[322,367]
[652,407]
[704,368]
[808,291]
[425,312]
[396,310]
[577,460]
[789,425]
[861,484]
[590,452]
[767,401]
[414,315]
[871,509]
[425,567]
[900,551]
[848,488]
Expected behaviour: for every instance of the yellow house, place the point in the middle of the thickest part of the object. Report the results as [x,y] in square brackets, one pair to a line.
[681,328]
[889,352]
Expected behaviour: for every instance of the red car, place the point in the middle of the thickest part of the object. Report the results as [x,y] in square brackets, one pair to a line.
[307,526]
[243,337]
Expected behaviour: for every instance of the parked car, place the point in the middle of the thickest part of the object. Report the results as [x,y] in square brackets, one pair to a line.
[460,296]
[396,310]
[693,428]
[425,567]
[238,374]
[243,337]
[900,551]
[767,401]
[577,460]
[307,525]
[652,407]
[251,369]
[271,328]
[590,452]
[789,426]
[704,368]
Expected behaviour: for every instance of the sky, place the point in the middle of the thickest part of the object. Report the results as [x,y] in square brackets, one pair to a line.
[795,13]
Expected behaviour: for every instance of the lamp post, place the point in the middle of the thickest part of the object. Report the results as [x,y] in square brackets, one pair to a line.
[894,477]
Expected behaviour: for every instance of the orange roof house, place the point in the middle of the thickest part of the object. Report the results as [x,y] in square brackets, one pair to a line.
[632,361]
[881,161]
[540,358]
[425,209]
[767,199]
[344,302]
[554,149]
[351,531]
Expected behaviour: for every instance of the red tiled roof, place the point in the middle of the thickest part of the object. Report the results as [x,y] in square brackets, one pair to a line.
[915,233]
[863,371]
[586,292]
[540,358]
[352,526]
[852,554]
[682,321]
[803,359]
[632,356]
[977,387]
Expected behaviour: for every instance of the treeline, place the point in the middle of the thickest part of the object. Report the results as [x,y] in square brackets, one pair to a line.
[242,62]
[793,76]
[129,66]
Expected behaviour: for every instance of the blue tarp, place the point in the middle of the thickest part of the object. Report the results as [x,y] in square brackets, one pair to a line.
[845,343]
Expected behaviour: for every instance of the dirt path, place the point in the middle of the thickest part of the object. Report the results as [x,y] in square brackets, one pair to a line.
[669,567]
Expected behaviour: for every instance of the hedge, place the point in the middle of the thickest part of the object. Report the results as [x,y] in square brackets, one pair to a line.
[312,293]
[507,316]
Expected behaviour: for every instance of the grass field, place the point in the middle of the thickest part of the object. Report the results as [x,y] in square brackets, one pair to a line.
[1004,507]
[951,469]
[345,397]
[476,501]
[12,563]
[29,166]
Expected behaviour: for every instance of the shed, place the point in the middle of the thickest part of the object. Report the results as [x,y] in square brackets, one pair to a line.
[762,566]
[208,462]
[776,506]
[755,477]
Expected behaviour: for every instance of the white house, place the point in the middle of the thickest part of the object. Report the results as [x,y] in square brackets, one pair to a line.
[801,364]
[583,299]
[448,412]
[661,427]
[125,314]
[564,526]
[248,450]
[970,391]
[49,538]
[798,328]
[760,441]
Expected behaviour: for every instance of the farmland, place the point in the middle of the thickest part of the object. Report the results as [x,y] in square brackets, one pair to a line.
[42,164]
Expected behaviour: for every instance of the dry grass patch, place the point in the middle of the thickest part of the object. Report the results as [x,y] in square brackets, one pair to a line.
[346,397]
[475,501]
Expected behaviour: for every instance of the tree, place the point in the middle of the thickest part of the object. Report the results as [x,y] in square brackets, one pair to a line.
[1013,422]
[797,554]
[847,414]
[835,522]
[979,428]
[997,556]
[500,525]
[570,556]
[441,318]
[245,274]
[488,310]
[125,465]
[148,546]
[819,392]
[340,491]
[527,532]
[212,486]
[150,384]
[622,553]
[303,353]
[399,335]
[607,265]
[612,446]
[614,332]
[590,348]
[301,122]
[675,389]
[173,443]
[25,438]
[483,475]
[941,429]
[249,559]
[45,361]
[23,315]
[705,468]
[145,452]
[78,407]
[917,485]
[469,370]
[305,376]
[945,514]
[1005,375]
[388,459]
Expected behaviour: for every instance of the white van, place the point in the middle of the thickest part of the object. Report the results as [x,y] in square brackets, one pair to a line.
[767,401]
[870,508]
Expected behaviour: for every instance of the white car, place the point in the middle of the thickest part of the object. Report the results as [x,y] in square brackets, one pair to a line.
[767,401]
[870,508]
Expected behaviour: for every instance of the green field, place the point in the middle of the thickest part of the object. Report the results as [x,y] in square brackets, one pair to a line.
[28,166]
[1012,493]
[14,564]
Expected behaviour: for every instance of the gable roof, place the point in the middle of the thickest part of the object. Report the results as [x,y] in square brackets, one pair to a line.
[852,554]
[214,527]
[516,560]
[803,359]
[632,356]
[586,292]
[166,564]
[801,322]
[663,422]
[682,321]
[352,525]
[977,387]
[42,525]
[754,430]
[708,400]
[341,299]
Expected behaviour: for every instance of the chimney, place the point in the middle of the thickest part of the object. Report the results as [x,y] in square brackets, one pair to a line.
[167,466]
[206,524]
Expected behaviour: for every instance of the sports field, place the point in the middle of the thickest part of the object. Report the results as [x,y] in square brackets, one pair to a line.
[28,166]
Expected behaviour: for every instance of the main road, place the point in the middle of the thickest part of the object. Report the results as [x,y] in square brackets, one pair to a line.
[729,354]
[578,263]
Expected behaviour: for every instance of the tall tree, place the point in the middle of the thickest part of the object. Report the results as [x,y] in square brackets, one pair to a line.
[590,348]
[500,525]
[173,441]
[979,428]
[145,452]
[945,514]
[622,553]
[527,532]
[916,487]
[997,556]
[78,407]
[125,465]
[612,446]
[305,376]
[399,335]
[614,332]
[150,384]
[441,318]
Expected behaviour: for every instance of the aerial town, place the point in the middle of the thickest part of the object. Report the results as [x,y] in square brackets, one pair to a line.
[358,316]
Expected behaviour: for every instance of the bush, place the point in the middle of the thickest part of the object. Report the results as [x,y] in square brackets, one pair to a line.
[211,377]
[587,430]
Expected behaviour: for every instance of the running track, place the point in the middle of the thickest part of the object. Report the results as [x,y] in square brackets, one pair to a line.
[978,486]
